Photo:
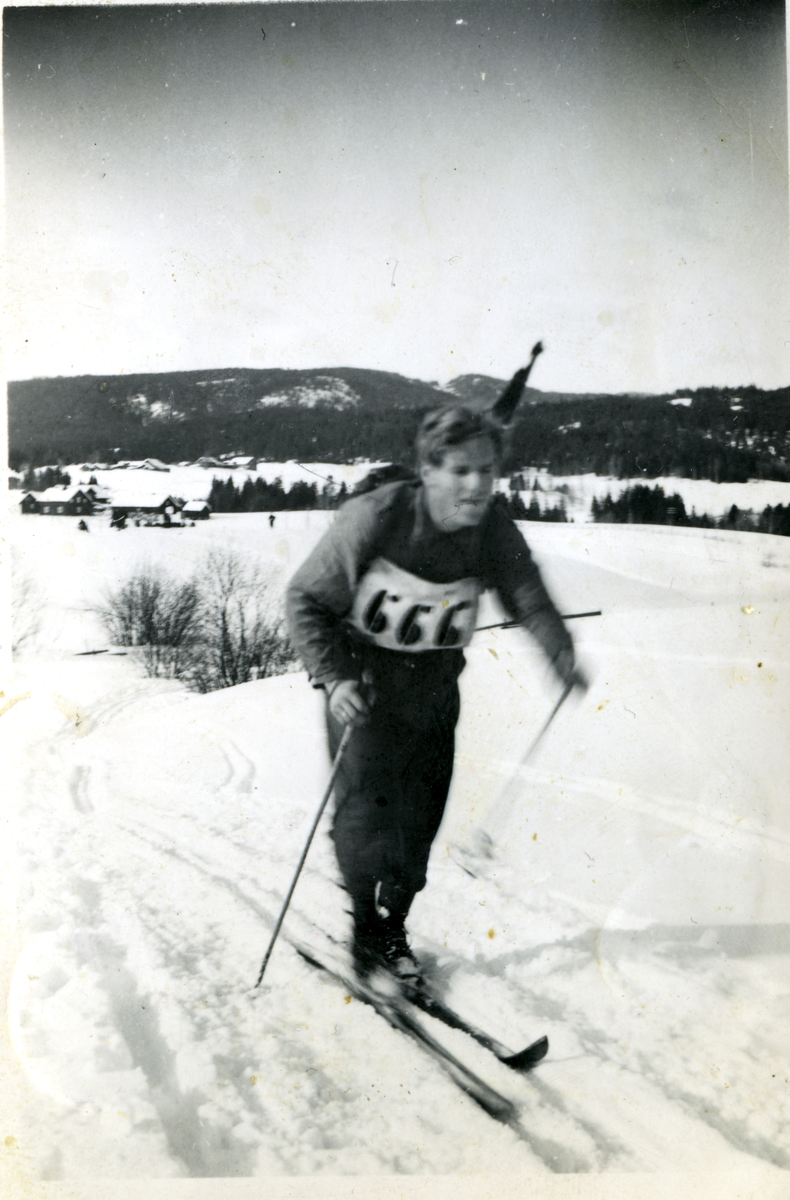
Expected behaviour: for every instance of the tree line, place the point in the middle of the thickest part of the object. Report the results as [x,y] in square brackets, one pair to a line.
[641,505]
[39,481]
[256,495]
[638,505]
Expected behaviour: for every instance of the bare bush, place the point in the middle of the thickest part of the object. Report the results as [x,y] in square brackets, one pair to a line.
[243,638]
[171,631]
[160,615]
[213,631]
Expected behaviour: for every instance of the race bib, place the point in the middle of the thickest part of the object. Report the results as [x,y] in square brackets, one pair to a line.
[398,611]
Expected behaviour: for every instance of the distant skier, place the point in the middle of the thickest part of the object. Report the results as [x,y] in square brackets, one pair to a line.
[271,520]
[379,613]
[82,526]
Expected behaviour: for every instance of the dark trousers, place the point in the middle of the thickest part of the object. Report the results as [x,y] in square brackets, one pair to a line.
[392,785]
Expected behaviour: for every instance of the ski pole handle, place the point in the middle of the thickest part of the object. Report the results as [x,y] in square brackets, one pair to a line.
[333,775]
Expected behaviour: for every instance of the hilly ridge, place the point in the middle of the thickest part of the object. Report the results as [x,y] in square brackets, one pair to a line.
[274,414]
[339,414]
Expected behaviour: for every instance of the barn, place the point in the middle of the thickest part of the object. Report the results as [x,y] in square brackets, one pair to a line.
[196,510]
[158,506]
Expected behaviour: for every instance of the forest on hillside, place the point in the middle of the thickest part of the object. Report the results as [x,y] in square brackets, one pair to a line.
[345,414]
[713,437]
[328,415]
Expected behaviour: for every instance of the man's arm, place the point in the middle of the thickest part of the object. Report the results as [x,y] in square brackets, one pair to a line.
[321,593]
[517,579]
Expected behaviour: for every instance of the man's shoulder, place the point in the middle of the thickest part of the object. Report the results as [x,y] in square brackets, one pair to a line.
[498,516]
[377,504]
[376,477]
[501,534]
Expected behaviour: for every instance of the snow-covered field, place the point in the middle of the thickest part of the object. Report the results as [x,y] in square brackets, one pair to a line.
[575,492]
[193,482]
[625,891]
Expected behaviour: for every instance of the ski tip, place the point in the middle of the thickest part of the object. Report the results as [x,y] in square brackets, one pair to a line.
[526,1059]
[498,1107]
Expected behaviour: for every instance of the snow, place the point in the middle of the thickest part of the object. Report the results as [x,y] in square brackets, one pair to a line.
[623,891]
[336,393]
[135,497]
[576,492]
[60,492]
[193,480]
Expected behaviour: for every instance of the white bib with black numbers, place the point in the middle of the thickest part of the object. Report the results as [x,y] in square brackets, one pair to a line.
[399,611]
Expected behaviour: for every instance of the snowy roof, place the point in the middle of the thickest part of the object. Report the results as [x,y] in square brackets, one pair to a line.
[58,494]
[126,498]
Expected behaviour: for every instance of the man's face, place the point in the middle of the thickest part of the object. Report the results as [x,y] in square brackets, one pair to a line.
[457,492]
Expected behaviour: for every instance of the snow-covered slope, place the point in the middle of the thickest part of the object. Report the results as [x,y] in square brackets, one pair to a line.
[624,891]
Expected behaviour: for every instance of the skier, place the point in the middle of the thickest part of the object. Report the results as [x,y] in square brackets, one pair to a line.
[271,520]
[379,613]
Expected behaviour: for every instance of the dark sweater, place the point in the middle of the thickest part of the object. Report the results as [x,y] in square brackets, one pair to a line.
[392,522]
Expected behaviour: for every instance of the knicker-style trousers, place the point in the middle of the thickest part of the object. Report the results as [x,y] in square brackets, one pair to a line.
[393,781]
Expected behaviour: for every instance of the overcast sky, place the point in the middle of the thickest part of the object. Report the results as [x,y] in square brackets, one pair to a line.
[418,187]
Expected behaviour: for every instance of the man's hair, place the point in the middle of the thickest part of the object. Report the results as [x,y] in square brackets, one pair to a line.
[452,426]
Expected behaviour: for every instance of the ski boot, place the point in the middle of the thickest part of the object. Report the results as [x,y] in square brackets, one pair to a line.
[383,960]
[399,958]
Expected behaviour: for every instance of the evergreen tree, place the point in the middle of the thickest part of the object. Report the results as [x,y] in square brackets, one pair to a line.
[517,507]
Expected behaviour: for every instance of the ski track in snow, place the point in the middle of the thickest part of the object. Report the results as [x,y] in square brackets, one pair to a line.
[182,1041]
[156,834]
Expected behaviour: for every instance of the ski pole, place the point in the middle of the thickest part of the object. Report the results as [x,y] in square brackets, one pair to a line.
[508,792]
[534,744]
[515,624]
[333,774]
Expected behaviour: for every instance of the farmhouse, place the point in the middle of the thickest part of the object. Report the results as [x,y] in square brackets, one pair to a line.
[196,510]
[240,460]
[145,504]
[58,501]
[90,490]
